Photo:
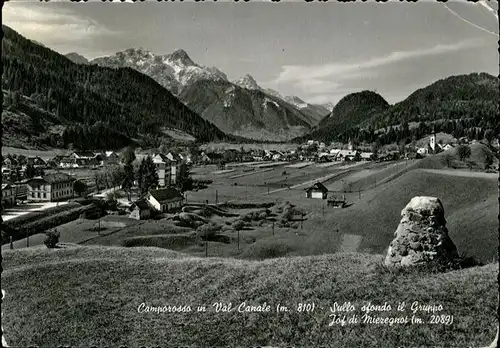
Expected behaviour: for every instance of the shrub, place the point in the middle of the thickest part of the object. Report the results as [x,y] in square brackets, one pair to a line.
[208,230]
[463,152]
[174,241]
[51,239]
[238,225]
[265,249]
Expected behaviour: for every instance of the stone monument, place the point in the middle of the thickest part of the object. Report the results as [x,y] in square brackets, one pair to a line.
[421,235]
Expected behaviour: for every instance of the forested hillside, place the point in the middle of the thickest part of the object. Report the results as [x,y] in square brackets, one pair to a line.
[464,105]
[97,107]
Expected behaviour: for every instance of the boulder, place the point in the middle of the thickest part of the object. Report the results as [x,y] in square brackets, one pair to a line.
[422,235]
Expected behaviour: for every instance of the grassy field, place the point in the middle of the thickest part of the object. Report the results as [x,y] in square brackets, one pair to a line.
[91,296]
[470,203]
[248,147]
[46,155]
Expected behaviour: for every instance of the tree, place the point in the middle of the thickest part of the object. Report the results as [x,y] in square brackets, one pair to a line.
[128,158]
[184,180]
[463,152]
[80,187]
[51,239]
[448,160]
[147,176]
[488,160]
[30,172]
[208,231]
[470,164]
[238,225]
[489,135]
[128,155]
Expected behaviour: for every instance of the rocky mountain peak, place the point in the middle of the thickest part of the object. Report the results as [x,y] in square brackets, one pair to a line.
[182,57]
[247,82]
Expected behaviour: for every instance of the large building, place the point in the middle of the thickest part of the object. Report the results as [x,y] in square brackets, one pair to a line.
[167,167]
[163,168]
[50,188]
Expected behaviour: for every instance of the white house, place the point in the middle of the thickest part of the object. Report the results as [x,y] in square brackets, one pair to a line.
[165,199]
[366,156]
[447,147]
[346,154]
[423,150]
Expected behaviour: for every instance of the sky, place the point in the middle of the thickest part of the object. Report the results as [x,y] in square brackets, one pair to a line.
[317,51]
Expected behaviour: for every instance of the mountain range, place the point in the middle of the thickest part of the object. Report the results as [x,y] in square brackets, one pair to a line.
[240,107]
[107,103]
[62,104]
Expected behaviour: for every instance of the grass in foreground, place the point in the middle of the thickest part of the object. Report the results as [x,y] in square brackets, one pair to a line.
[83,296]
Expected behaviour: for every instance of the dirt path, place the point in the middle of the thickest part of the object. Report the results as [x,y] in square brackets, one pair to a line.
[464,173]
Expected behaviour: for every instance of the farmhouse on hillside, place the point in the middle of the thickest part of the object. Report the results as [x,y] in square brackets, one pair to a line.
[140,210]
[318,190]
[49,188]
[8,195]
[165,199]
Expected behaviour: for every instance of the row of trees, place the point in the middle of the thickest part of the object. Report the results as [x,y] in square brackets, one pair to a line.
[145,174]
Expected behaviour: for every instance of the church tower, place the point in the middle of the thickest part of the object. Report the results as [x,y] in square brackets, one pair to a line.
[432,141]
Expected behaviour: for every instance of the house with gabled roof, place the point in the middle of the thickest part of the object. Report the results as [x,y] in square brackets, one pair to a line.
[140,210]
[165,199]
[318,190]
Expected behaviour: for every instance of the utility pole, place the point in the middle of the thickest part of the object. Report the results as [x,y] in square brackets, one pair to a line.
[11,244]
[238,239]
[206,244]
[302,222]
[323,209]
[359,194]
[273,228]
[216,196]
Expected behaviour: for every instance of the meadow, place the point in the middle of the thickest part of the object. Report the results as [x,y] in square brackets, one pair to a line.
[101,306]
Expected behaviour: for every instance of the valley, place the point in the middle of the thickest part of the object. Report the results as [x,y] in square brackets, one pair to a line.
[268,179]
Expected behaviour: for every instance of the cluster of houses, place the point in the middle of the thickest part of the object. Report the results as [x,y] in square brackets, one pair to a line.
[80,159]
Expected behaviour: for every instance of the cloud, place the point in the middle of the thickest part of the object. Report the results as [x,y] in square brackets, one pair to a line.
[327,82]
[52,25]
[339,71]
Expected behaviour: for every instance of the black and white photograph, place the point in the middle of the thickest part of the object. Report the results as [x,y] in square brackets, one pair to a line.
[252,173]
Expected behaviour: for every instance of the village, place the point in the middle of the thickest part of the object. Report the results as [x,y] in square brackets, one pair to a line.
[60,179]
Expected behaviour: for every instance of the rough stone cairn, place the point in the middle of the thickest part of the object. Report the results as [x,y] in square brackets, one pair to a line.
[421,235]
